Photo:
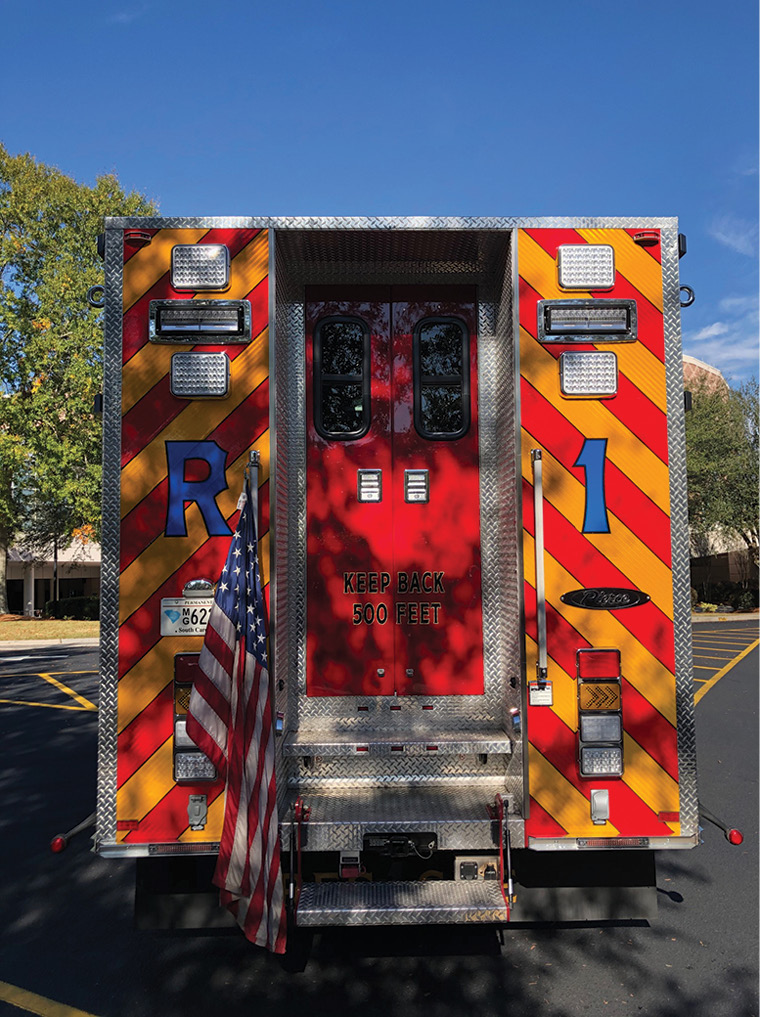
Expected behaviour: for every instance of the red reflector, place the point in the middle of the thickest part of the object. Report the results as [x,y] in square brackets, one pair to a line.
[349,872]
[362,748]
[613,842]
[397,748]
[669,817]
[432,748]
[598,663]
[58,844]
[735,837]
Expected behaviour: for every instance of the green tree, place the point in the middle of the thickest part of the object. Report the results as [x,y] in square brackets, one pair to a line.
[722,464]
[50,346]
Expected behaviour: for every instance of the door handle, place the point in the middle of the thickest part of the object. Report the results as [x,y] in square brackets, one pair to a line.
[538,515]
[369,485]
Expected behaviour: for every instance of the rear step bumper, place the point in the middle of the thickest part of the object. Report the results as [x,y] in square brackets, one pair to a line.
[341,818]
[439,901]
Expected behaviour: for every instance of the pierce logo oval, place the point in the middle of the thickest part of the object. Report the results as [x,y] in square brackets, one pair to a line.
[605,598]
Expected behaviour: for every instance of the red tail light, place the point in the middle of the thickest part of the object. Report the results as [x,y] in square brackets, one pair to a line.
[598,663]
[735,837]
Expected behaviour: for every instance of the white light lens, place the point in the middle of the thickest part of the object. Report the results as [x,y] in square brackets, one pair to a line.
[193,766]
[586,266]
[200,375]
[598,762]
[600,729]
[182,739]
[200,267]
[587,373]
[588,319]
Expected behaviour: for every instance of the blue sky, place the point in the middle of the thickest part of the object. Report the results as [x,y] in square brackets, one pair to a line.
[587,107]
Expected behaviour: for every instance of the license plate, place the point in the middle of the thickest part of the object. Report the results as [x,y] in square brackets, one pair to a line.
[185,616]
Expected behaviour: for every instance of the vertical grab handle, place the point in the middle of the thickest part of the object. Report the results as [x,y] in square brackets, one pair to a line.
[538,514]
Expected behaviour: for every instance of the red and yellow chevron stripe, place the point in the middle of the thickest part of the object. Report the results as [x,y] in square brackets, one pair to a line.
[634,554]
[150,806]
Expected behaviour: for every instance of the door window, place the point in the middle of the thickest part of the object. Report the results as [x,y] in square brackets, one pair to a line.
[441,350]
[341,378]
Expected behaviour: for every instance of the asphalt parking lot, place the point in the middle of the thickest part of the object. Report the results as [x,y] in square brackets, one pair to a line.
[68,946]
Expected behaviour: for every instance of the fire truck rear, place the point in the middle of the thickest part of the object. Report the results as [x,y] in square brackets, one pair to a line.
[473,544]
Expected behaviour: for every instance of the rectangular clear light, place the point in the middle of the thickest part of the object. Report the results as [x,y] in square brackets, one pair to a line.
[200,267]
[200,375]
[601,728]
[598,761]
[190,766]
[586,266]
[588,373]
[587,321]
[212,322]
[182,739]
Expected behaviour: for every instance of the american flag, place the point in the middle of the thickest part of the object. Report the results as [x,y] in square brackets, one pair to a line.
[230,720]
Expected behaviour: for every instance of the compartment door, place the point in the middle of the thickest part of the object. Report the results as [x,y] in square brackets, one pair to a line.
[348,501]
[436,492]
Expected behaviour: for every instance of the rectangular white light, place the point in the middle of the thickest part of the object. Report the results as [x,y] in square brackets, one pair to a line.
[586,266]
[200,375]
[182,739]
[598,761]
[586,373]
[189,766]
[600,728]
[592,320]
[211,322]
[200,267]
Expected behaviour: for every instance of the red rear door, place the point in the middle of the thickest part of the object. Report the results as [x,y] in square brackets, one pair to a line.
[393,518]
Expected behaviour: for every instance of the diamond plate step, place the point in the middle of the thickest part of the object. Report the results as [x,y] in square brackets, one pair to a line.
[396,743]
[436,901]
[341,817]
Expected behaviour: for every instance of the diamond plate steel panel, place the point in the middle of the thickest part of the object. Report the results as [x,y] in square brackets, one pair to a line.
[348,743]
[105,830]
[393,222]
[340,818]
[679,513]
[428,903]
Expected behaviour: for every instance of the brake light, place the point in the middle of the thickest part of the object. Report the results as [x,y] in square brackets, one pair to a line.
[598,663]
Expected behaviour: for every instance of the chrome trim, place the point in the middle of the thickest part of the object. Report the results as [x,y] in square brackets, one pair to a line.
[538,513]
[105,829]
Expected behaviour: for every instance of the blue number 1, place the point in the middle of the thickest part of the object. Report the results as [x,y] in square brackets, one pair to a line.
[591,457]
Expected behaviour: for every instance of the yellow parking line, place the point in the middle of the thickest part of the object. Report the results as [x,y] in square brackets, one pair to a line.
[722,633]
[710,656]
[715,645]
[72,672]
[47,706]
[69,692]
[704,667]
[31,1002]
[723,671]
